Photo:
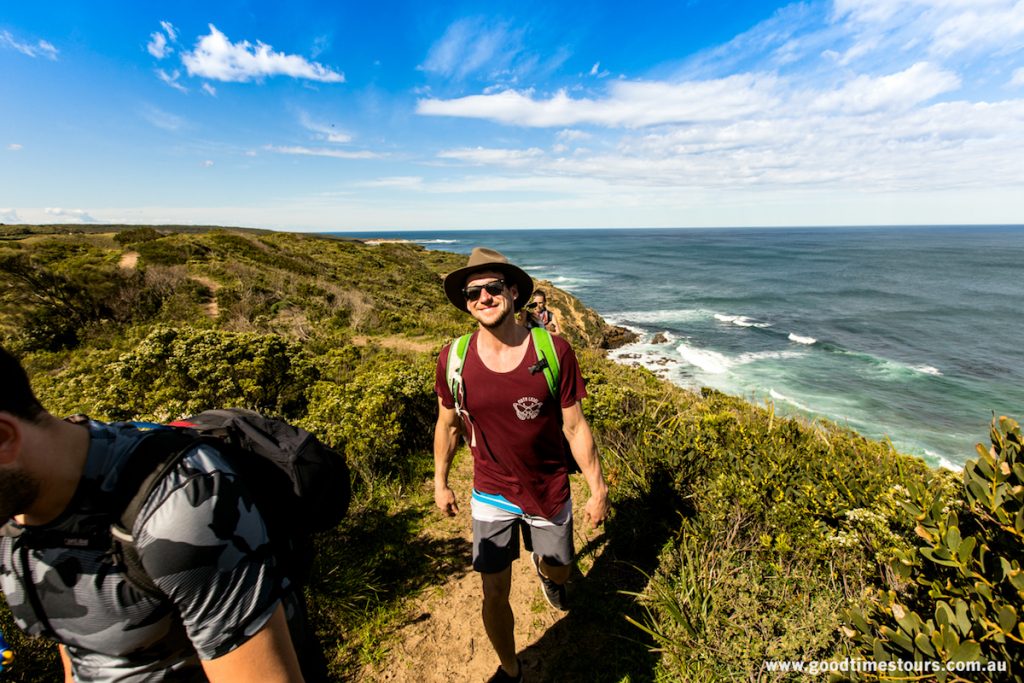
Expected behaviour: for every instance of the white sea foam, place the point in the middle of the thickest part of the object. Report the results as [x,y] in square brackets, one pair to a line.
[928,370]
[436,241]
[799,339]
[943,461]
[711,362]
[786,399]
[754,356]
[662,317]
[741,320]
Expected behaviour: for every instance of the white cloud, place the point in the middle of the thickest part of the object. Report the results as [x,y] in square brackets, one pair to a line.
[41,48]
[946,27]
[499,157]
[469,46]
[207,163]
[73,215]
[920,83]
[217,58]
[396,182]
[322,130]
[172,33]
[157,45]
[628,104]
[321,152]
[9,216]
[209,90]
[570,135]
[15,147]
[171,79]
[597,72]
[162,119]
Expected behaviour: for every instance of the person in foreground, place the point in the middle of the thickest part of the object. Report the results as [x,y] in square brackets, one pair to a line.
[523,441]
[222,616]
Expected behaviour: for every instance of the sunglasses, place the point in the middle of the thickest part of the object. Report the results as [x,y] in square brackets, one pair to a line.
[494,288]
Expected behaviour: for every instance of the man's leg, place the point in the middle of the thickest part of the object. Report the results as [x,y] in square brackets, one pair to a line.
[558,574]
[498,619]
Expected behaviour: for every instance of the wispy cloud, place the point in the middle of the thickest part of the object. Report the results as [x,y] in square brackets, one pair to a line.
[491,50]
[919,83]
[157,45]
[15,146]
[321,152]
[209,90]
[207,163]
[162,119]
[72,215]
[40,48]
[215,57]
[323,131]
[496,157]
[395,182]
[171,79]
[628,104]
[9,216]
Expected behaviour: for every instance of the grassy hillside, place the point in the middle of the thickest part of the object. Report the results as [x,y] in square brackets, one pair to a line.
[737,536]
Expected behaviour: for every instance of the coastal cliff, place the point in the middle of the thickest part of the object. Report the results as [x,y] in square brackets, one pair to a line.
[738,537]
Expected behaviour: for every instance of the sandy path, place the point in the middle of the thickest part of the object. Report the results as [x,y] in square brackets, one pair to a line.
[443,639]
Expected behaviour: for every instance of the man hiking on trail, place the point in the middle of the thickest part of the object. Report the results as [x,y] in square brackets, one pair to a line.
[524,435]
[219,611]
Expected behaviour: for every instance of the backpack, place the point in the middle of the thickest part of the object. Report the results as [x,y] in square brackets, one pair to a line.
[547,362]
[299,485]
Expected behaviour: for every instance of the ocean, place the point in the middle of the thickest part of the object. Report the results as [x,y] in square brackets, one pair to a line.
[911,334]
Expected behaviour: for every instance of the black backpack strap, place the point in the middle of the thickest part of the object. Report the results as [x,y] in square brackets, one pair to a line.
[153,458]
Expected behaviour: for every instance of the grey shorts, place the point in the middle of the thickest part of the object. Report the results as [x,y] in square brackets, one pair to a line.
[496,538]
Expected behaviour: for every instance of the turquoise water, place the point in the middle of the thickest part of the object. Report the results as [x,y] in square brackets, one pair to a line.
[911,334]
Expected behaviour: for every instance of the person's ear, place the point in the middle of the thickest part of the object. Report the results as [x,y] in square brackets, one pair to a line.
[10,438]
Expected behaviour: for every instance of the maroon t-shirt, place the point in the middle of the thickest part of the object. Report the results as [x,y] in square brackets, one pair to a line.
[520,451]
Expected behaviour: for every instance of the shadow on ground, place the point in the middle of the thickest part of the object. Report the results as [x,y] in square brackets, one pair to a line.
[594,642]
[368,567]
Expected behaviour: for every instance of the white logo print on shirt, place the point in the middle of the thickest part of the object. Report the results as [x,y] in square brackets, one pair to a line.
[527,408]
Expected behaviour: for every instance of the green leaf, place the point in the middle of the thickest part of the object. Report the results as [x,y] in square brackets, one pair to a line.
[967,651]
[922,643]
[1007,618]
[943,613]
[963,619]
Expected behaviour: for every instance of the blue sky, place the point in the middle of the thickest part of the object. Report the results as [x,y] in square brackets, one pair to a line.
[404,115]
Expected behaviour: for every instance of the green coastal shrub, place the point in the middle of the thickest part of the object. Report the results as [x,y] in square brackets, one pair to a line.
[960,600]
[177,372]
[381,418]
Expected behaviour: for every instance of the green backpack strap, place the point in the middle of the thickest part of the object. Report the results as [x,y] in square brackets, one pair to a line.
[453,370]
[545,348]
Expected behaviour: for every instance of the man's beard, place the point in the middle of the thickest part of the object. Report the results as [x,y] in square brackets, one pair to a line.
[18,491]
[497,321]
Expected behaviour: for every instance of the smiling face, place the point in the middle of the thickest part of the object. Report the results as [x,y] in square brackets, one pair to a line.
[491,310]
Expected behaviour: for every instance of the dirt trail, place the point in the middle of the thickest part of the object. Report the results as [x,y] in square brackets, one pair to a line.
[443,639]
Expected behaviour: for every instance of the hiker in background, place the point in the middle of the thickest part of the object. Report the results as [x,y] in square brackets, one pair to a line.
[514,422]
[537,314]
[225,615]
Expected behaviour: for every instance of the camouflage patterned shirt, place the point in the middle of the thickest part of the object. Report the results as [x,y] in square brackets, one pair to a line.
[198,537]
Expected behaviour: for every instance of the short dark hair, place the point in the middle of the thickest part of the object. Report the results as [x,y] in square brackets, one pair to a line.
[540,293]
[17,397]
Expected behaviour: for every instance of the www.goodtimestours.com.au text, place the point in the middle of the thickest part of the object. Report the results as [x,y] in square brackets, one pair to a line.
[863,666]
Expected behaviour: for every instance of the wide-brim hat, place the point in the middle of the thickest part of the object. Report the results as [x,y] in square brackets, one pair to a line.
[482,259]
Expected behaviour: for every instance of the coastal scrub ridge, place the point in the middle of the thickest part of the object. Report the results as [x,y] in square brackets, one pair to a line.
[739,536]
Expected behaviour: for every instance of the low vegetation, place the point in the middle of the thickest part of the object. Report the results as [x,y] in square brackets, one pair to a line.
[738,537]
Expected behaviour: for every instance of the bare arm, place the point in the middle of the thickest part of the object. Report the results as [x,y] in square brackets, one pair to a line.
[266,657]
[584,452]
[446,440]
